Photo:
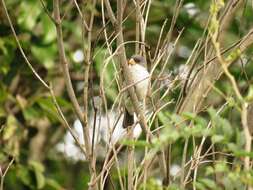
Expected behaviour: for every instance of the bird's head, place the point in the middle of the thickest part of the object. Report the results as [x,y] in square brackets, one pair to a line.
[137,59]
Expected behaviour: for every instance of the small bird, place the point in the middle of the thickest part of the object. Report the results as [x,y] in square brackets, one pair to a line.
[140,77]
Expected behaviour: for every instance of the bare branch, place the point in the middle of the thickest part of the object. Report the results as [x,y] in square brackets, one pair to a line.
[66,124]
[87,63]
[212,72]
[110,12]
[64,62]
[46,10]
[200,87]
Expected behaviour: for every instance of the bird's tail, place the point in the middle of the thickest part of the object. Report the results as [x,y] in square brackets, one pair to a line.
[128,119]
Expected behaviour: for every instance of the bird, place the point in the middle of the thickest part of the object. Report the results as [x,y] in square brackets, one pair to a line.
[140,77]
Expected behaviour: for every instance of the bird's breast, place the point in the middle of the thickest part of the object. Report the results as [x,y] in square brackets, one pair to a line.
[140,77]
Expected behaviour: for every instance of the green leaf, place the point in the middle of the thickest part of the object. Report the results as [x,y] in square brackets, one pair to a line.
[189,115]
[231,102]
[197,120]
[29,12]
[173,187]
[243,153]
[11,127]
[232,147]
[24,175]
[197,130]
[226,128]
[221,167]
[36,166]
[3,93]
[38,170]
[233,55]
[249,96]
[48,106]
[163,117]
[200,186]
[208,183]
[217,138]
[177,119]
[49,31]
[31,113]
[52,185]
[220,126]
[240,139]
[168,135]
[209,170]
[186,131]
[63,103]
[73,29]
[45,55]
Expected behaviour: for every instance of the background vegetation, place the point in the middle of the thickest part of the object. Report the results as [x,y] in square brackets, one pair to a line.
[200,55]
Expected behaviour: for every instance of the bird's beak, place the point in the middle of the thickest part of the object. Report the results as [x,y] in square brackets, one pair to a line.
[131,62]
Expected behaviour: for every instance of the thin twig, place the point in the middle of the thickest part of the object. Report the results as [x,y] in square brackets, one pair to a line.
[46,10]
[183,163]
[4,174]
[130,161]
[81,15]
[66,124]
[194,98]
[137,25]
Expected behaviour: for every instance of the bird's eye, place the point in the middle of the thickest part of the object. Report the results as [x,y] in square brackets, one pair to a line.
[136,60]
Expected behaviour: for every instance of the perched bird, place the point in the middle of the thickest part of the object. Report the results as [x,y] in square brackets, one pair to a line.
[140,77]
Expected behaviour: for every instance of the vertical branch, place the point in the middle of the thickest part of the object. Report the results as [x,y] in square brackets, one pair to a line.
[247,135]
[110,13]
[64,63]
[137,26]
[168,165]
[143,25]
[182,184]
[87,64]
[130,160]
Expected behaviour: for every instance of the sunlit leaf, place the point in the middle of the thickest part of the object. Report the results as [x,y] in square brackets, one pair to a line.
[11,127]
[29,12]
